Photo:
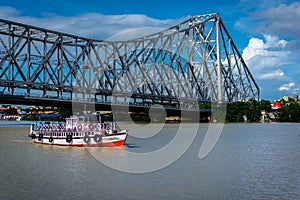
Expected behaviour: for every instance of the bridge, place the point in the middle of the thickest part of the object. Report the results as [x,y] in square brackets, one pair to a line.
[191,63]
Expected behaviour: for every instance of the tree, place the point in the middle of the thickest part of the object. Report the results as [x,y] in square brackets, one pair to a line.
[235,111]
[65,111]
[289,113]
[11,111]
[254,111]
[251,109]
[265,105]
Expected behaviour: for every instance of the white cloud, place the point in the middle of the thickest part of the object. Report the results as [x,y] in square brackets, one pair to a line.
[91,25]
[8,11]
[272,18]
[272,75]
[281,19]
[268,53]
[262,56]
[270,62]
[287,86]
[273,62]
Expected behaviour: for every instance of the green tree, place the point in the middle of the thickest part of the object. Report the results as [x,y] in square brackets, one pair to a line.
[235,111]
[254,110]
[289,113]
[12,111]
[265,105]
[65,111]
[251,109]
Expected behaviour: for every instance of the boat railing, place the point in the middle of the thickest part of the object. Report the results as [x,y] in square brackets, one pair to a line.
[48,126]
[107,127]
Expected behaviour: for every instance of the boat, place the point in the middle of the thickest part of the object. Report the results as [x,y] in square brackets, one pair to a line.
[85,130]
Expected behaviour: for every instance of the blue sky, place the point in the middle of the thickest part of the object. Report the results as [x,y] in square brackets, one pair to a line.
[267,33]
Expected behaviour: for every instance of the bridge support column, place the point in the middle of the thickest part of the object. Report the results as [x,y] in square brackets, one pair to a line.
[219,63]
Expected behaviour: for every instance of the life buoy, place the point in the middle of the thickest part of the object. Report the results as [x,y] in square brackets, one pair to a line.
[69,138]
[97,138]
[91,127]
[33,136]
[40,137]
[86,138]
[79,127]
[51,139]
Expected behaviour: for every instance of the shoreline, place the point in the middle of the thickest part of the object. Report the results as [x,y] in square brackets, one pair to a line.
[15,123]
[140,123]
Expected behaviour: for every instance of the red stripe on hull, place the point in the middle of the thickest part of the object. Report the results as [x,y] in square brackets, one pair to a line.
[56,144]
[107,144]
[114,144]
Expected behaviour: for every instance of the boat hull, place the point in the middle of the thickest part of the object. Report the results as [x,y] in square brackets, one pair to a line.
[105,141]
[78,131]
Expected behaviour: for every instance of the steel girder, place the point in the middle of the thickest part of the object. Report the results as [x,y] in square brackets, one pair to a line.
[194,60]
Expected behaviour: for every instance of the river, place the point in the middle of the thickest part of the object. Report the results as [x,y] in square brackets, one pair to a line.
[249,161]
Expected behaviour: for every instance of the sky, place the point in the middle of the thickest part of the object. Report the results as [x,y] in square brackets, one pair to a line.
[266,32]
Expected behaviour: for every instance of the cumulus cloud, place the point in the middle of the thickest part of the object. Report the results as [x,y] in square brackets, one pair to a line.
[274,61]
[8,11]
[287,86]
[270,62]
[279,20]
[261,56]
[273,18]
[272,75]
[250,5]
[91,25]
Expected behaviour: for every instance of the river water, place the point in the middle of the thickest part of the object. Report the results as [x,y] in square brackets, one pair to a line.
[249,161]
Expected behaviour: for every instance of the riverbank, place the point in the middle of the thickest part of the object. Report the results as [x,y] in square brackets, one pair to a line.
[15,123]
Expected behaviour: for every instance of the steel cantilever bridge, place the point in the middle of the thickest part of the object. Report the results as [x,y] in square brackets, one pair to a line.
[194,61]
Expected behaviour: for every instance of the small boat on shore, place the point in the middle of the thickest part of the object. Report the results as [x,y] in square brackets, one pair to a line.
[85,130]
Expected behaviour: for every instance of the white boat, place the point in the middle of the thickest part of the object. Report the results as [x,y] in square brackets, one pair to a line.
[86,130]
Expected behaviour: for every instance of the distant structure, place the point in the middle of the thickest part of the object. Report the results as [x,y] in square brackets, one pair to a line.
[194,61]
[296,98]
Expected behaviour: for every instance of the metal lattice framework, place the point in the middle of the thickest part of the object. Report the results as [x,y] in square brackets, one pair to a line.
[194,60]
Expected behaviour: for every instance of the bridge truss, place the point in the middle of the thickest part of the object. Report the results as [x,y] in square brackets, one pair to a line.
[194,60]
